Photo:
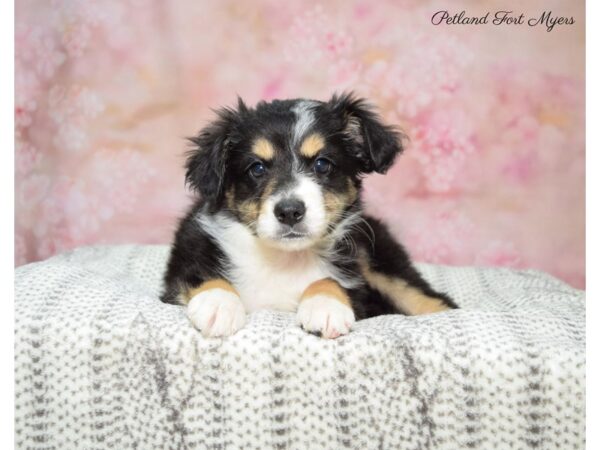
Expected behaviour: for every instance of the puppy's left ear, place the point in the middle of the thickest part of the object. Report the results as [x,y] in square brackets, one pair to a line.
[375,144]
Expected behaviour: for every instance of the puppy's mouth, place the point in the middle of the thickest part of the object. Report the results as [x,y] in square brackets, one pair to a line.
[293,235]
[291,238]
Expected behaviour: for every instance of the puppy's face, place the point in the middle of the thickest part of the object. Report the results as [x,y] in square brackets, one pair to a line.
[290,170]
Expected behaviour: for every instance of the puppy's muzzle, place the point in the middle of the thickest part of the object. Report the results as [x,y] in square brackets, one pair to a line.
[290,211]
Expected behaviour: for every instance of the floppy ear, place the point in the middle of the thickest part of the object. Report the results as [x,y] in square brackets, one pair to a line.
[206,162]
[374,143]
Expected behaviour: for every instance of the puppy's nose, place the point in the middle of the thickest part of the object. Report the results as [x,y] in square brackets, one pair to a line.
[290,211]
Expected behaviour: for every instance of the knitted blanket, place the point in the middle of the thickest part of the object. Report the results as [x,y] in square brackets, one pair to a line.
[101,363]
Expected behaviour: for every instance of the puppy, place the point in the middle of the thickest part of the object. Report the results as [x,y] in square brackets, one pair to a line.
[279,224]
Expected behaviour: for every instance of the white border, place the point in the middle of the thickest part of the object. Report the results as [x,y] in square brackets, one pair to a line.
[7,225]
[7,222]
[592,219]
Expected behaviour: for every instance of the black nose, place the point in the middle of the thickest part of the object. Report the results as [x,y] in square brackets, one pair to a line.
[290,211]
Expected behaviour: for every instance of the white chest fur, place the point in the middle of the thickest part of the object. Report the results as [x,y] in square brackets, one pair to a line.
[265,277]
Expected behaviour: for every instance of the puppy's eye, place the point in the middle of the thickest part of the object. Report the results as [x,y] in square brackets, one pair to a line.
[257,170]
[323,166]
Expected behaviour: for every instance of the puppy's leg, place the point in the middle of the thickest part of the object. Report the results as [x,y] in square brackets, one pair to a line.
[215,308]
[325,308]
[407,297]
[386,267]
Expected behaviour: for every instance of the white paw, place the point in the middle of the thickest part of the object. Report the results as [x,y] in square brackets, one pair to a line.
[216,312]
[325,315]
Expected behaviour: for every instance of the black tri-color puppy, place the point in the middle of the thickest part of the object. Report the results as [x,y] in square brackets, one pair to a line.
[279,221]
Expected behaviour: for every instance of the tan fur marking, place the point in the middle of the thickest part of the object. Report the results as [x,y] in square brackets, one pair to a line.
[268,190]
[264,197]
[352,191]
[263,149]
[406,298]
[327,287]
[312,145]
[335,203]
[249,210]
[218,283]
[230,198]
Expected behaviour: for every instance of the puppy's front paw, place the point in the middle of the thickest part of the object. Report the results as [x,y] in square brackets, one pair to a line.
[216,312]
[325,315]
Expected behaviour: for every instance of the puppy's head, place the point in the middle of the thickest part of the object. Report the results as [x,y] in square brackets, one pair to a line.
[290,170]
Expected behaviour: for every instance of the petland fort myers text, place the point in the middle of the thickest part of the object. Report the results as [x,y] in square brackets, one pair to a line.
[547,19]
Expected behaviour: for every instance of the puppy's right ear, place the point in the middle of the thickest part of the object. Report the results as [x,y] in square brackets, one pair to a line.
[206,162]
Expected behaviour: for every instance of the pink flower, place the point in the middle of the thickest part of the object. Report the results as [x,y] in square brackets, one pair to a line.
[27,157]
[72,109]
[119,177]
[74,102]
[520,167]
[87,102]
[32,189]
[337,43]
[48,58]
[271,89]
[76,39]
[70,137]
[20,250]
[56,243]
[72,211]
[26,93]
[442,237]
[443,141]
[24,113]
[499,253]
[313,37]
[428,71]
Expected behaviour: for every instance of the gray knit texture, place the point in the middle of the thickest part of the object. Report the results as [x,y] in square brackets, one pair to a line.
[101,363]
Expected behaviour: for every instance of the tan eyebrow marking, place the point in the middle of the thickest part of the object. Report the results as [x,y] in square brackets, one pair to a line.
[312,145]
[263,149]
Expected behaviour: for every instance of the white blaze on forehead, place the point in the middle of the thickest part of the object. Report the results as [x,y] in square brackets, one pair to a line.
[305,118]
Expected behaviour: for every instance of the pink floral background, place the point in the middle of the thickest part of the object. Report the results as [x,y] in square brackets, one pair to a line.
[107,90]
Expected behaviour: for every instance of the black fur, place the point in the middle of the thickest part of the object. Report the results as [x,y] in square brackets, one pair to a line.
[195,258]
